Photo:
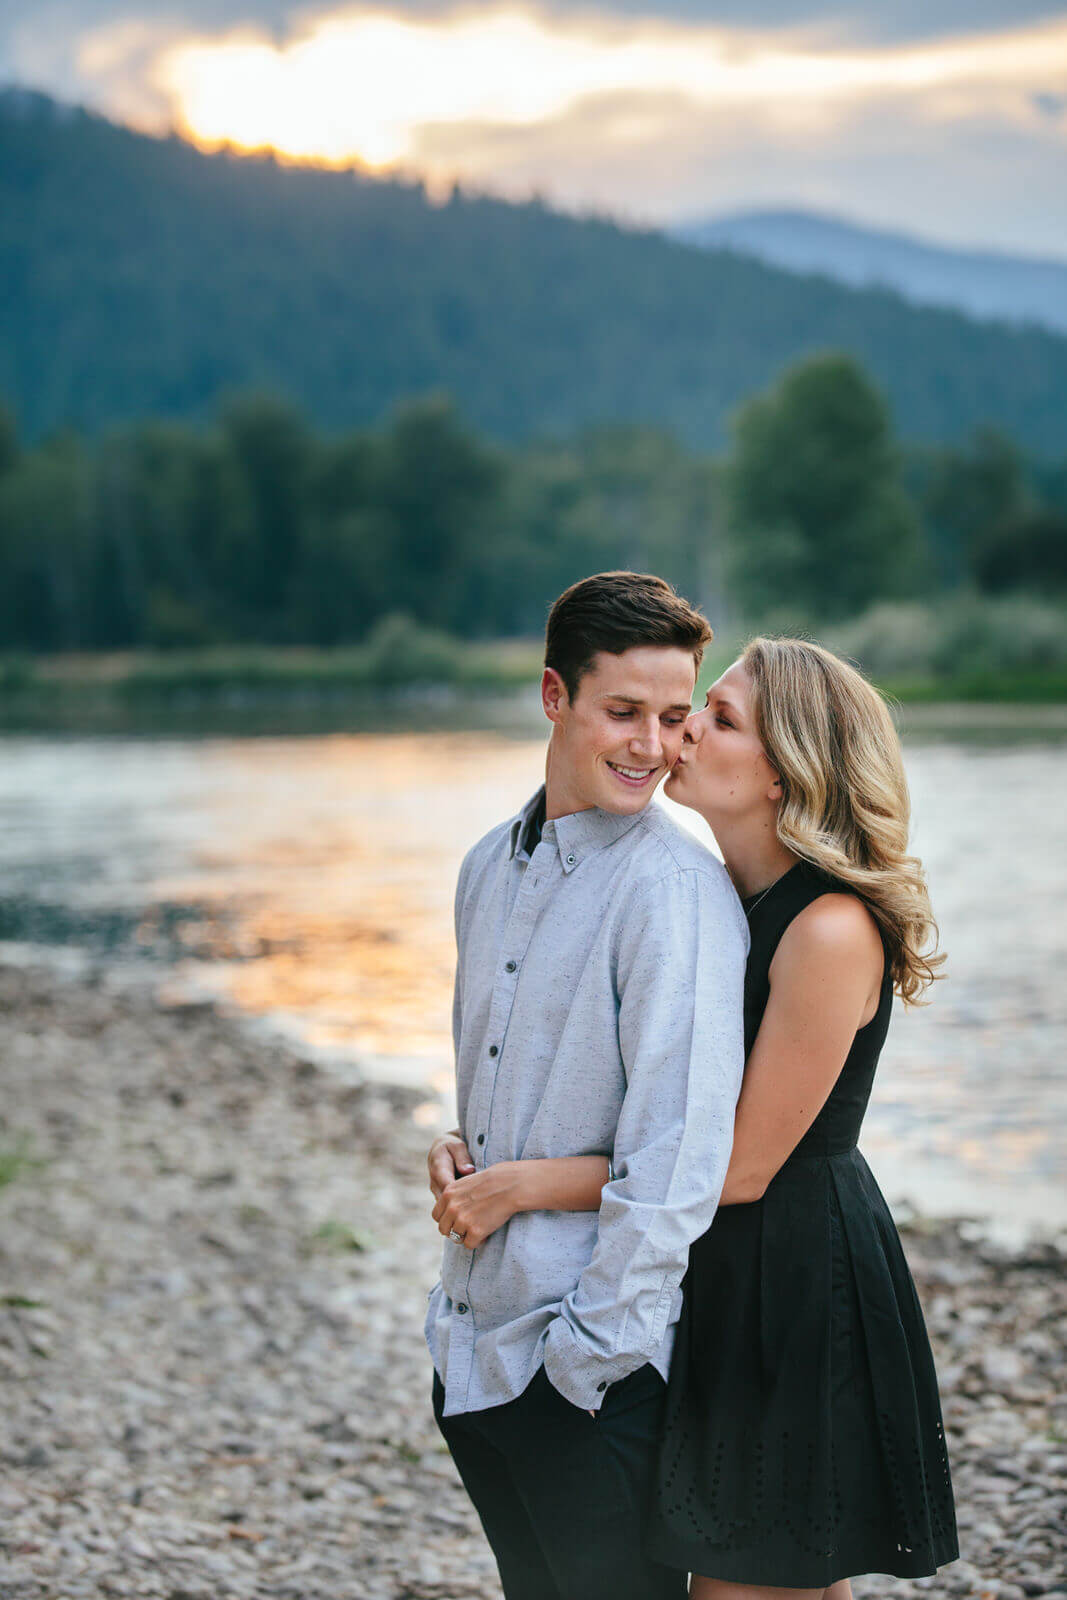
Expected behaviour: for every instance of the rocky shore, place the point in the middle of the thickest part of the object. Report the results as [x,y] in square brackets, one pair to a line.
[214,1259]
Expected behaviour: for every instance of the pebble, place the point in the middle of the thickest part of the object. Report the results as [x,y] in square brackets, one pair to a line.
[220,1396]
[1003,1368]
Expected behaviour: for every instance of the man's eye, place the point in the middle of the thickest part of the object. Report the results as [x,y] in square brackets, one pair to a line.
[674,722]
[620,714]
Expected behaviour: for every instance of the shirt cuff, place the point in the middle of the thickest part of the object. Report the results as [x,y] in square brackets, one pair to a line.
[580,1377]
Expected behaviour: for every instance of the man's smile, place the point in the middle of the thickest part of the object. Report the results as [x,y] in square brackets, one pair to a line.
[636,777]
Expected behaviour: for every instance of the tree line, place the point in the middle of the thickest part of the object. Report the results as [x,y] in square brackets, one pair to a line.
[258,528]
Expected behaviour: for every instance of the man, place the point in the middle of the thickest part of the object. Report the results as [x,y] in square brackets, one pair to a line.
[601,956]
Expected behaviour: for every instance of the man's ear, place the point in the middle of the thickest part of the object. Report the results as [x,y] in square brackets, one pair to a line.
[554,697]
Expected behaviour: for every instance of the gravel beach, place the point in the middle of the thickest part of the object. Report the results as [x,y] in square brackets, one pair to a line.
[214,1258]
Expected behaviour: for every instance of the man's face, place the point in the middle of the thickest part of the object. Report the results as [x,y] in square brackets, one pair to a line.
[621,734]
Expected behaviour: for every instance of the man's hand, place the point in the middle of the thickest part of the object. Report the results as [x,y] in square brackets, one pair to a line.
[448,1160]
[476,1206]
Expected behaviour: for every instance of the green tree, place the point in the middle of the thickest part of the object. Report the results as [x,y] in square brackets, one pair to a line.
[614,496]
[439,487]
[9,440]
[819,517]
[1004,517]
[45,549]
[1026,551]
[346,575]
[273,454]
[971,495]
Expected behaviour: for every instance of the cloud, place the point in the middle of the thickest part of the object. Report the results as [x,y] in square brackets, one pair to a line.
[359,82]
[658,158]
[40,40]
[961,136]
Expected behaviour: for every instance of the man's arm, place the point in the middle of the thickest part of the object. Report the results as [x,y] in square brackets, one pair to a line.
[448,1159]
[680,981]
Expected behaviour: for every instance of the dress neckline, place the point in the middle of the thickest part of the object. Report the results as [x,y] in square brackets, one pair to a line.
[750,901]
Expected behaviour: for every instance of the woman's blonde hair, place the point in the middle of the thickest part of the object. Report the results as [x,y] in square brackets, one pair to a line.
[845,807]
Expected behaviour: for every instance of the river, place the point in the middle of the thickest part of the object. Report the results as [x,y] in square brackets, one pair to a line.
[307,883]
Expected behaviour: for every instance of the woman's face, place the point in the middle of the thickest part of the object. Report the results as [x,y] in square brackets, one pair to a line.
[723,771]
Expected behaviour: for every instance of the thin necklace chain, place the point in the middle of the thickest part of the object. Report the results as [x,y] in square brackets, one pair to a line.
[765,892]
[760,897]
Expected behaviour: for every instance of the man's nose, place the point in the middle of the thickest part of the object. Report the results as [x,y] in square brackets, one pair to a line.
[648,740]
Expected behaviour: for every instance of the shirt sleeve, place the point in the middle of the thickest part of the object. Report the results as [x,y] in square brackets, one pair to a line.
[680,977]
[460,922]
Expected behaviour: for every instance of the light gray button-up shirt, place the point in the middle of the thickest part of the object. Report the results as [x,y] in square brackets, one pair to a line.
[598,1009]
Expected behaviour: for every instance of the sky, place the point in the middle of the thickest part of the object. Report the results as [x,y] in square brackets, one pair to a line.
[943,118]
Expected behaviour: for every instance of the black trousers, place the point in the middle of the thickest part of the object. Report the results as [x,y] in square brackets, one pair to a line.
[563,1496]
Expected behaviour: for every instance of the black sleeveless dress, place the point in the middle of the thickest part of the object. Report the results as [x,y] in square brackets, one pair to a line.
[803,1439]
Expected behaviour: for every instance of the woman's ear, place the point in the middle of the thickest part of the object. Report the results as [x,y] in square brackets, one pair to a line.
[775,791]
[554,697]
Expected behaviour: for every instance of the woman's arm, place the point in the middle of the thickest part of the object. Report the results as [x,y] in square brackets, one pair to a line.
[476,1206]
[825,980]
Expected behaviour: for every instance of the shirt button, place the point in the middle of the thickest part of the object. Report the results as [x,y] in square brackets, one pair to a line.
[570,861]
[600,1386]
[509,966]
[461,1308]
[493,1050]
[481,1138]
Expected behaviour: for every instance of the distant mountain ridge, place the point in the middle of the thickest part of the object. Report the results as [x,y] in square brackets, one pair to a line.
[143,277]
[982,283]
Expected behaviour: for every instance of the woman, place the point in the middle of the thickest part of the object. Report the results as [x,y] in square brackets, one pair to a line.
[803,1441]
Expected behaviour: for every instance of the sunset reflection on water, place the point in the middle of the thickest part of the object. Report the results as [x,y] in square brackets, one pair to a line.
[337,881]
[308,884]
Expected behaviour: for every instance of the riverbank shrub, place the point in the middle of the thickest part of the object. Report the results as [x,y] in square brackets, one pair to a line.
[957,637]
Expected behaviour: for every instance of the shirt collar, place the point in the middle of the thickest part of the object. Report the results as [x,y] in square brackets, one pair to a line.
[577,835]
[522,822]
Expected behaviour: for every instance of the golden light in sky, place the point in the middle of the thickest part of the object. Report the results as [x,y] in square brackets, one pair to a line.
[375,87]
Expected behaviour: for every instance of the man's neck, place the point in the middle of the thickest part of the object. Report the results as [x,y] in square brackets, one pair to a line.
[560,798]
[561,806]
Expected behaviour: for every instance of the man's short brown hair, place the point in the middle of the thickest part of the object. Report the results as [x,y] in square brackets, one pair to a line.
[617,611]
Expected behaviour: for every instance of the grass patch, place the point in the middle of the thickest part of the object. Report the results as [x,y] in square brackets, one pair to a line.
[397,654]
[338,1236]
[15,1160]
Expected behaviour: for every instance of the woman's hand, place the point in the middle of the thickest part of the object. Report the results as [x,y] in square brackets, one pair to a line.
[477,1205]
[447,1160]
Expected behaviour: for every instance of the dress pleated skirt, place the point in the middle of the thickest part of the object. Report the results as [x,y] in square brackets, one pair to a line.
[803,1439]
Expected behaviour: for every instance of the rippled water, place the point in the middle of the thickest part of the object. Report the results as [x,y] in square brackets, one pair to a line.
[309,881]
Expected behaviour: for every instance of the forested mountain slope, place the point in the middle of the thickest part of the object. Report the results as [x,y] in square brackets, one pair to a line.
[141,276]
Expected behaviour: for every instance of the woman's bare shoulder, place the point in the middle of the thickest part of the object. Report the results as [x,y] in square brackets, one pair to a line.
[836,928]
